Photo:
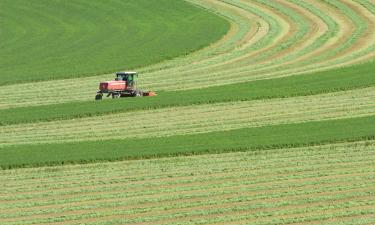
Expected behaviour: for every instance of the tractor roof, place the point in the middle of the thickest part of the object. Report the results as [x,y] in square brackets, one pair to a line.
[126,72]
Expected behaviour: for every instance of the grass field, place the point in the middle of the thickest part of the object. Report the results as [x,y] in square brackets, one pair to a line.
[265,112]
[58,39]
[329,184]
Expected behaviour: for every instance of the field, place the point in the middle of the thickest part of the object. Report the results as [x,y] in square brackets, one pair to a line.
[265,113]
[86,38]
[330,183]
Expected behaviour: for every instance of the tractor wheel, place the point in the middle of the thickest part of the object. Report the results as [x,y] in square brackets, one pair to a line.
[98,97]
[138,93]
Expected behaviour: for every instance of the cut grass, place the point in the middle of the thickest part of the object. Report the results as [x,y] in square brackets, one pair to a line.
[294,183]
[195,71]
[348,78]
[195,119]
[289,135]
[54,39]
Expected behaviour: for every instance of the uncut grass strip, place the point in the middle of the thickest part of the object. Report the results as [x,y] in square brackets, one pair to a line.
[207,118]
[320,132]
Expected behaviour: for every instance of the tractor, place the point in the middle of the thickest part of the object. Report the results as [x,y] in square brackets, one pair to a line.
[124,85]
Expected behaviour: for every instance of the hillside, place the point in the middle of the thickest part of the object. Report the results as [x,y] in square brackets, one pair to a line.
[267,121]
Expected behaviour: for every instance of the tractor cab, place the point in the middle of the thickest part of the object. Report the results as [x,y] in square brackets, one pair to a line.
[128,77]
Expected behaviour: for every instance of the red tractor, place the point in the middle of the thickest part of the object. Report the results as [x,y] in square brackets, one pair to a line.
[124,85]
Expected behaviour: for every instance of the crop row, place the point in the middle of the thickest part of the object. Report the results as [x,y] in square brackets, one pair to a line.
[276,136]
[309,84]
[180,210]
[288,158]
[246,71]
[193,71]
[285,166]
[114,186]
[307,191]
[195,119]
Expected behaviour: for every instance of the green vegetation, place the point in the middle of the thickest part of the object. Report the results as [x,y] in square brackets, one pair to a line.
[273,124]
[62,39]
[194,119]
[309,84]
[268,137]
[307,184]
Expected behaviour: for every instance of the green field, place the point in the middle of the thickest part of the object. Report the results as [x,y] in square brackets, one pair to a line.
[329,184]
[342,79]
[58,39]
[265,112]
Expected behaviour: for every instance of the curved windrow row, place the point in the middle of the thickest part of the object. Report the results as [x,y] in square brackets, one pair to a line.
[267,39]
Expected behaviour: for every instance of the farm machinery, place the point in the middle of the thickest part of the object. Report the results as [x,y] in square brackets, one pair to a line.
[124,85]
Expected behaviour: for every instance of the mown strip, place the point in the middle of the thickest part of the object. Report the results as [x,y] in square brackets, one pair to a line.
[194,119]
[302,85]
[290,135]
[282,182]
